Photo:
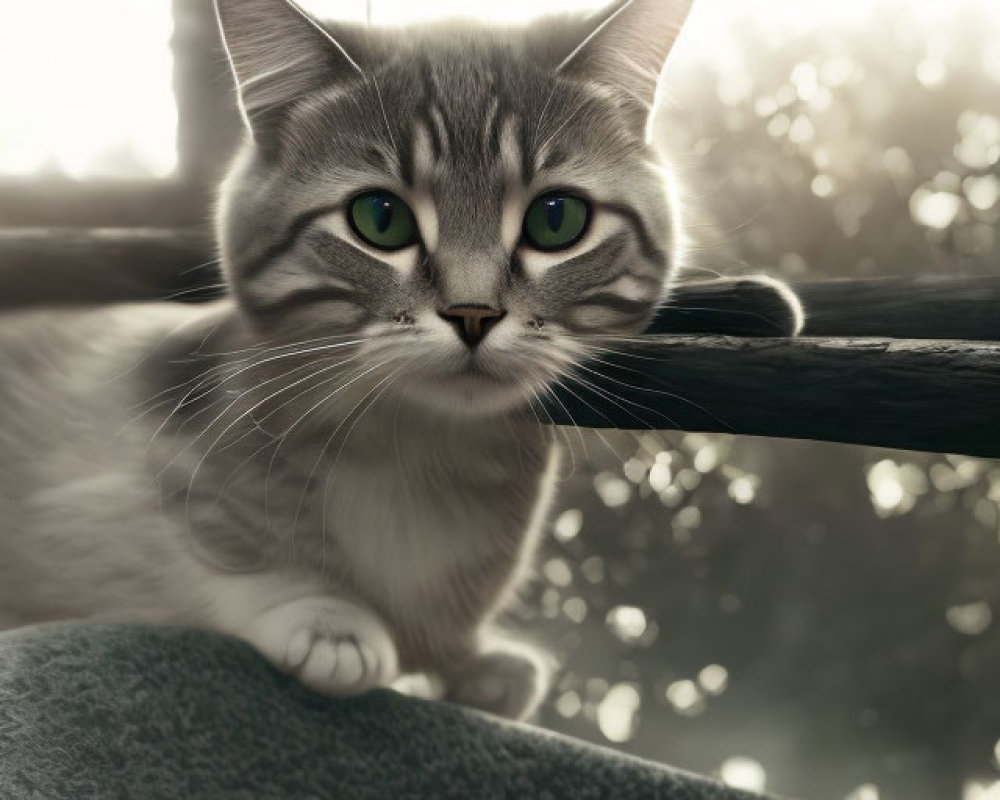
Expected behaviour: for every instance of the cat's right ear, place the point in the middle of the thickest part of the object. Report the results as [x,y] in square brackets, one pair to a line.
[626,48]
[278,54]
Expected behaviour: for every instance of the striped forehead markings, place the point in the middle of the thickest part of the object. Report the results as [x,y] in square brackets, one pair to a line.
[491,130]
[502,144]
[439,130]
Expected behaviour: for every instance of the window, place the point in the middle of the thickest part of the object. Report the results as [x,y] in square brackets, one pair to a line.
[93,94]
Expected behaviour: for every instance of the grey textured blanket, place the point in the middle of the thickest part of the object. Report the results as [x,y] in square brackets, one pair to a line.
[128,712]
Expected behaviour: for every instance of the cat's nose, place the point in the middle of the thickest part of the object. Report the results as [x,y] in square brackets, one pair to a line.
[472,322]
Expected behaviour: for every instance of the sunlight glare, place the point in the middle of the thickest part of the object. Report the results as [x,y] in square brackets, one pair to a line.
[403,12]
[707,18]
[87,88]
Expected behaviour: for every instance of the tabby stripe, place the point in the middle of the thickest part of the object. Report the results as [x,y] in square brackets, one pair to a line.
[645,285]
[646,243]
[422,116]
[424,113]
[327,245]
[491,135]
[404,151]
[437,143]
[376,159]
[451,134]
[555,157]
[644,281]
[588,270]
[302,297]
[447,132]
[527,161]
[292,233]
[439,131]
[614,276]
[615,302]
[571,318]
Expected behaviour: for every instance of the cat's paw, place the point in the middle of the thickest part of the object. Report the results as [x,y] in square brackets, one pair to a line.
[331,645]
[508,682]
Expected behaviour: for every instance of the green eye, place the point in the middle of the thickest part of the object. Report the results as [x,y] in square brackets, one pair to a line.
[383,220]
[556,221]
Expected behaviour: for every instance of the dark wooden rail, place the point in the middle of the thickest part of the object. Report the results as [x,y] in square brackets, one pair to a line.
[894,362]
[938,396]
[40,266]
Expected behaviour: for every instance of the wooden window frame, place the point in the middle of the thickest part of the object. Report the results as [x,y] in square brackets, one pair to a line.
[208,126]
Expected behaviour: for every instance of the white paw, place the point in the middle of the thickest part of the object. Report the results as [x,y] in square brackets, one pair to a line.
[509,682]
[333,646]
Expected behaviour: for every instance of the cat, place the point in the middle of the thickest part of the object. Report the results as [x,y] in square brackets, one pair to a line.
[338,462]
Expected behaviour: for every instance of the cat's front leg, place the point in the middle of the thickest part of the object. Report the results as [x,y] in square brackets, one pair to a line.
[503,676]
[332,645]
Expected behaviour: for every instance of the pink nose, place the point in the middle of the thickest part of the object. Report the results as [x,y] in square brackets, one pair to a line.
[472,322]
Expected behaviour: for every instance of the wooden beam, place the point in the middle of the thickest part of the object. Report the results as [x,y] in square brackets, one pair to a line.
[908,393]
[922,307]
[42,266]
[938,396]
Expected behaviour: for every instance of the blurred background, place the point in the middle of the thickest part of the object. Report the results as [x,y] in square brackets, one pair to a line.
[813,620]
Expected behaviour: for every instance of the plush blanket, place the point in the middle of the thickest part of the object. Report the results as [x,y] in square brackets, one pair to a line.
[129,712]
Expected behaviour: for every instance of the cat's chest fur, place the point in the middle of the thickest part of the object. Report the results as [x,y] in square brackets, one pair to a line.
[437,530]
[430,521]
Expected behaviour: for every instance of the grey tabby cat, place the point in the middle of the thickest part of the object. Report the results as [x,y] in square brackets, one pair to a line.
[425,228]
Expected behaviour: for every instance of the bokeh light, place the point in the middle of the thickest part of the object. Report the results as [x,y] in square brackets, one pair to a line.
[744,773]
[867,791]
[980,790]
[617,712]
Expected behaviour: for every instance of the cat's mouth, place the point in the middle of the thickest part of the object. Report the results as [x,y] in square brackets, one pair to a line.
[474,367]
[477,371]
[473,384]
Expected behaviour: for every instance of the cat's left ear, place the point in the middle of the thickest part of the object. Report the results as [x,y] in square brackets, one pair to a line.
[279,54]
[627,48]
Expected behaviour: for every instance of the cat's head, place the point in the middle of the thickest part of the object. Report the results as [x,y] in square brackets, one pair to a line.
[470,204]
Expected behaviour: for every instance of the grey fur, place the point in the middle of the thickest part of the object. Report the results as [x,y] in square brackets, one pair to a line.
[319,465]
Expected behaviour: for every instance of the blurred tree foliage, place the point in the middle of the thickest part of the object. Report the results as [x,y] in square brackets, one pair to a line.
[864,149]
[816,617]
